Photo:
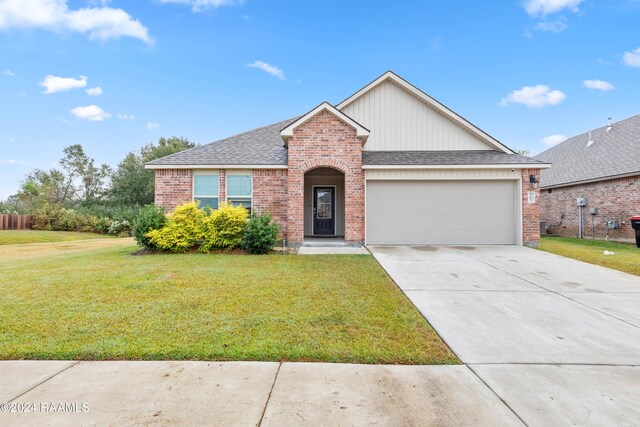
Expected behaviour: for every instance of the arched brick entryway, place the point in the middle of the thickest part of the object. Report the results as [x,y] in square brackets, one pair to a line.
[326,141]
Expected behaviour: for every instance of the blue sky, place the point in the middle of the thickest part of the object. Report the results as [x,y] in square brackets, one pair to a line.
[527,72]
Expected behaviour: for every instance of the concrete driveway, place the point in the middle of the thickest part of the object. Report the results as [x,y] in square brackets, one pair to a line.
[556,339]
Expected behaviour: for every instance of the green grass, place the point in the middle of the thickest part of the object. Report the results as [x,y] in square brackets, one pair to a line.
[15,237]
[93,300]
[626,258]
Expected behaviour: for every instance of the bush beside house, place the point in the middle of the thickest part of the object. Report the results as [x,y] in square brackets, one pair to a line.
[189,227]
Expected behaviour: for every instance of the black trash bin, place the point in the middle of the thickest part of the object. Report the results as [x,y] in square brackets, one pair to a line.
[635,223]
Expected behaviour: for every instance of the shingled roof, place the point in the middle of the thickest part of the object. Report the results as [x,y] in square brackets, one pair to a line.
[614,152]
[262,146]
[449,158]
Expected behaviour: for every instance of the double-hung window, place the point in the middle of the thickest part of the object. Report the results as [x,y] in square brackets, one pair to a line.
[239,188]
[206,187]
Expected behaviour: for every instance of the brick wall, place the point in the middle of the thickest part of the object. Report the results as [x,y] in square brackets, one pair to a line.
[326,141]
[270,195]
[530,211]
[173,187]
[616,198]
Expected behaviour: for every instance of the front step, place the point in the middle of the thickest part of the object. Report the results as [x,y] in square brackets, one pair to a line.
[328,242]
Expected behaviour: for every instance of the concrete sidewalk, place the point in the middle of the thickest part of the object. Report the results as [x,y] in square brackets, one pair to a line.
[245,394]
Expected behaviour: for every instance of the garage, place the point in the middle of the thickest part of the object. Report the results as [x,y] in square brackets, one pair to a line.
[442,212]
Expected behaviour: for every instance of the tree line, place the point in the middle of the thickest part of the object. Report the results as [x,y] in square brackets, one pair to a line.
[80,183]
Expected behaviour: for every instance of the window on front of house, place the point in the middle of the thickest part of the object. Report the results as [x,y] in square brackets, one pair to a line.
[206,189]
[239,189]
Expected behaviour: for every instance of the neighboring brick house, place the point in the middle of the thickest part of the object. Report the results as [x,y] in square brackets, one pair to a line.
[602,166]
[388,165]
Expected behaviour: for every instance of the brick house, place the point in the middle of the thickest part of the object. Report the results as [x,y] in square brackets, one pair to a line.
[602,166]
[388,165]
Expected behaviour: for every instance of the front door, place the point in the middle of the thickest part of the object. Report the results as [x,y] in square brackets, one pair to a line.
[324,222]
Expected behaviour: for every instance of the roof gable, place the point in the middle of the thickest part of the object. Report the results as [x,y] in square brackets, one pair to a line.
[472,137]
[362,133]
[613,153]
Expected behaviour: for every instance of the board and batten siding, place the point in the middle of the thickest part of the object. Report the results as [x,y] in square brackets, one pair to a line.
[441,174]
[400,121]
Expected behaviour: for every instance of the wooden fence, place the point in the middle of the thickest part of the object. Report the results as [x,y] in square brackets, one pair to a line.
[15,222]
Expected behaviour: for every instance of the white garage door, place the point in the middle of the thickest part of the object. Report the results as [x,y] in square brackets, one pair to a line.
[441,212]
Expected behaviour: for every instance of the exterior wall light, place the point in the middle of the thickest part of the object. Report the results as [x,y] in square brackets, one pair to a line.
[533,181]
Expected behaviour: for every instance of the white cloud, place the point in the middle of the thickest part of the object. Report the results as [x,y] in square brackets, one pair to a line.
[12,162]
[534,96]
[101,23]
[96,91]
[552,140]
[53,84]
[267,68]
[632,59]
[556,26]
[8,73]
[93,113]
[125,116]
[546,7]
[201,5]
[598,85]
[153,125]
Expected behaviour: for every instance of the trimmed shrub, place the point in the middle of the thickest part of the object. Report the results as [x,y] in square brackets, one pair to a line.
[54,217]
[182,231]
[114,213]
[149,218]
[260,235]
[224,227]
[120,228]
[103,224]
[88,224]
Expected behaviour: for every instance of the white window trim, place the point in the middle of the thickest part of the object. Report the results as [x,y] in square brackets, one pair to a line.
[226,183]
[193,184]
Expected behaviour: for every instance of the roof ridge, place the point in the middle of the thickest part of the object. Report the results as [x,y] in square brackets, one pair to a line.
[573,138]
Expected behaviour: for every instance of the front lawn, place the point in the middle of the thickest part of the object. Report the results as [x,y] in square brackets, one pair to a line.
[104,303]
[626,258]
[15,237]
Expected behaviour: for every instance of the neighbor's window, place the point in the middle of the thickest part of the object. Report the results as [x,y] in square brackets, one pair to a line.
[239,189]
[205,189]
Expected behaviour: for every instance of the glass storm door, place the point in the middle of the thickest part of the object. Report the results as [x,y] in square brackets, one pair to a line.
[324,222]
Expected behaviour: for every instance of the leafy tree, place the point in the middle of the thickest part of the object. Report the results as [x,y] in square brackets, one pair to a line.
[13,204]
[523,152]
[165,147]
[40,187]
[131,183]
[79,167]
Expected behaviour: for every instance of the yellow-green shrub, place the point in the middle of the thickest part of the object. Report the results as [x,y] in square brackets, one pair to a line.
[183,230]
[223,229]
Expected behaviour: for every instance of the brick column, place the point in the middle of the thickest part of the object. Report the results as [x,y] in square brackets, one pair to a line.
[222,186]
[530,211]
